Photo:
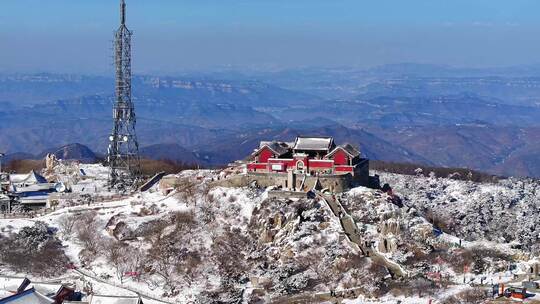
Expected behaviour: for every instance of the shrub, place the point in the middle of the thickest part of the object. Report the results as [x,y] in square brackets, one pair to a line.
[34,250]
[469,296]
[445,224]
[459,259]
[207,213]
[66,225]
[150,166]
[88,231]
[187,190]
[24,165]
[417,286]
[453,173]
[232,243]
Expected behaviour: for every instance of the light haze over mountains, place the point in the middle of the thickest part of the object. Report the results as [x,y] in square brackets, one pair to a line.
[171,36]
[215,77]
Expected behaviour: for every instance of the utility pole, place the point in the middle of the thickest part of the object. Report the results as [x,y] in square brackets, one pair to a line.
[123,151]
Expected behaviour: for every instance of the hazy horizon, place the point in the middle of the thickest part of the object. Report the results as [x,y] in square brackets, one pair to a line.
[171,36]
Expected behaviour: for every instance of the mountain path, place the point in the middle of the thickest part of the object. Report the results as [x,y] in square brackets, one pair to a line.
[138,292]
[351,230]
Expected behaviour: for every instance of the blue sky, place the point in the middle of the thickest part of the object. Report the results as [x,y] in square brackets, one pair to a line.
[174,35]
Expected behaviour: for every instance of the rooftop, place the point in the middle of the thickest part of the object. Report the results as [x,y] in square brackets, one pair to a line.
[279,148]
[313,143]
[31,178]
[350,149]
[29,296]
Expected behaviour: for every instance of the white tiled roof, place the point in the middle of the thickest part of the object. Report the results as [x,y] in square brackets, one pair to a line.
[353,151]
[30,296]
[31,178]
[313,143]
[279,147]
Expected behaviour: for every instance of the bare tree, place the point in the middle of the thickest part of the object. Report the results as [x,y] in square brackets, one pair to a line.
[205,189]
[188,265]
[66,225]
[33,250]
[136,261]
[187,190]
[184,221]
[232,243]
[115,253]
[88,231]
[169,253]
[163,257]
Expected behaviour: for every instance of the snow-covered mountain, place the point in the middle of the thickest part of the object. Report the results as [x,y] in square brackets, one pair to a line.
[203,243]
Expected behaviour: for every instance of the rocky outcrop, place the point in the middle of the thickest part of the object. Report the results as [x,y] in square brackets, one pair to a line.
[387,244]
[390,227]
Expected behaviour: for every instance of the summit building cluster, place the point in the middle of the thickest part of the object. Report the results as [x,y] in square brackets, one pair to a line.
[307,155]
[307,163]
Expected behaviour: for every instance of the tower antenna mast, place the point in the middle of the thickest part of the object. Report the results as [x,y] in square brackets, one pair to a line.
[123,151]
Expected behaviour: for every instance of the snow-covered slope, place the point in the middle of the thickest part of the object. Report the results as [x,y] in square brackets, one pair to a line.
[502,212]
[209,244]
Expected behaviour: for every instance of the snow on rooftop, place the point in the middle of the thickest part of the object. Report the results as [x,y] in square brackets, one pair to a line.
[313,143]
[30,178]
[17,178]
[11,284]
[5,293]
[30,296]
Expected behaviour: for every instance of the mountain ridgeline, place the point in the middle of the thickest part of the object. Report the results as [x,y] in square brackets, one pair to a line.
[484,119]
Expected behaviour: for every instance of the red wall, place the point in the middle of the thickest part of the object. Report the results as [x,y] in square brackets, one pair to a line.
[344,169]
[265,154]
[256,166]
[340,158]
[320,164]
[286,163]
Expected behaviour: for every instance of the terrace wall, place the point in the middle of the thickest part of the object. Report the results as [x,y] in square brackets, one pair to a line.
[335,183]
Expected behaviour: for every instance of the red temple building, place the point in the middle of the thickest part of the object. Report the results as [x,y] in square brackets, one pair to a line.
[312,156]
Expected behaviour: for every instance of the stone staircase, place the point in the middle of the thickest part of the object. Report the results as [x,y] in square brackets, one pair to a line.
[353,234]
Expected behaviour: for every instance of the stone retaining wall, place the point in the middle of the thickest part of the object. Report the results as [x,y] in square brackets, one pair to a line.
[286,194]
[300,182]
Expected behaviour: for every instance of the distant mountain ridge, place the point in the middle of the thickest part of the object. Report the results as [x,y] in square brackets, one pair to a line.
[83,154]
[46,88]
[485,119]
[173,152]
[498,150]
[74,151]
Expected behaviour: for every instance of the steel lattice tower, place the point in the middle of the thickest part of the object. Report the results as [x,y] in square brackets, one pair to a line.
[123,152]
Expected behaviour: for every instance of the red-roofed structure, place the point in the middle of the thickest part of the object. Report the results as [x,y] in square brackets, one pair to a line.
[315,156]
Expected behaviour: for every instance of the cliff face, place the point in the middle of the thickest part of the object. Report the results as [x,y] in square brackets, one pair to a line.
[302,249]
